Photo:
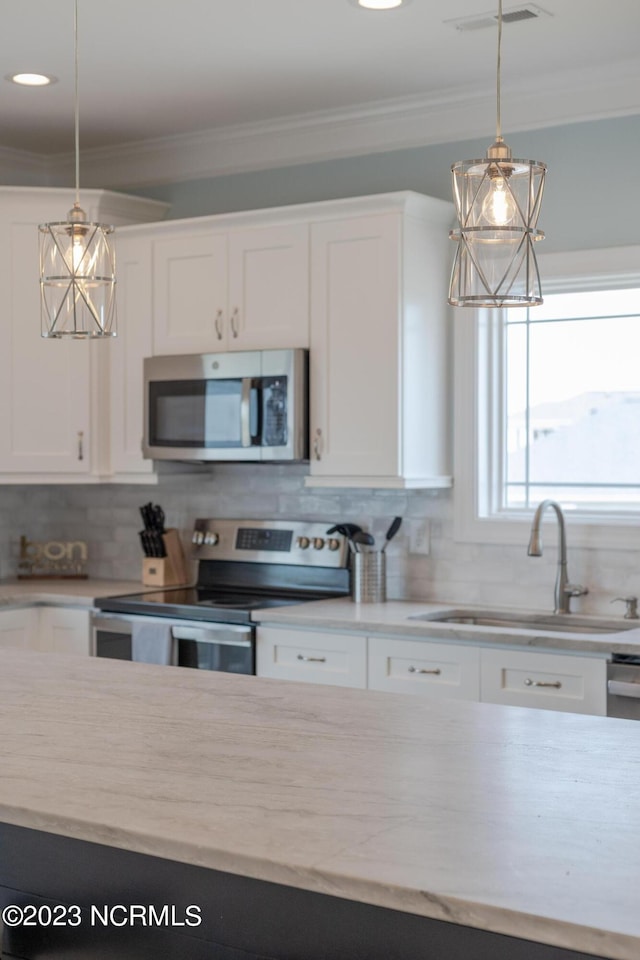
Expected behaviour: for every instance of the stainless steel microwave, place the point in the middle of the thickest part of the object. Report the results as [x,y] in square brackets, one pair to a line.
[249,405]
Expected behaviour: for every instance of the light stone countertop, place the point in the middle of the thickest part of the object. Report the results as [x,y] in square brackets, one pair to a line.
[518,821]
[69,593]
[393,619]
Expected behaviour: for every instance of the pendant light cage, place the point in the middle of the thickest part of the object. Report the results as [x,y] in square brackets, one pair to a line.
[498,202]
[497,205]
[77,264]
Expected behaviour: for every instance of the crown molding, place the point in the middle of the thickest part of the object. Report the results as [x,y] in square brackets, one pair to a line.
[457,114]
[21,168]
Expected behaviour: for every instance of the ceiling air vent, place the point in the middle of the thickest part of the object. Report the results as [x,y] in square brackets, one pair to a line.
[525,13]
[528,11]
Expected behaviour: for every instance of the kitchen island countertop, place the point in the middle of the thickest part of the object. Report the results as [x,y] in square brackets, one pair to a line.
[517,821]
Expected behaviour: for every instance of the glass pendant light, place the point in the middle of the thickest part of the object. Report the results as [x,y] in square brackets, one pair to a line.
[497,203]
[77,264]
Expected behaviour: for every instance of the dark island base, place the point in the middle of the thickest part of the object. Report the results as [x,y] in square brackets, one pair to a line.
[242,919]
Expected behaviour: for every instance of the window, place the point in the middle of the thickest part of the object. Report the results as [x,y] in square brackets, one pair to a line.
[548,405]
[572,405]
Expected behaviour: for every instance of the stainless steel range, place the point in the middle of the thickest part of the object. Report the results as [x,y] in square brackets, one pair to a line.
[243,565]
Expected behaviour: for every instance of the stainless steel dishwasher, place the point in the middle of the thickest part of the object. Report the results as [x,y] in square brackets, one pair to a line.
[623,686]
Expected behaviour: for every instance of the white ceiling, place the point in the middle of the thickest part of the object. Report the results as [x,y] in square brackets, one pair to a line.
[214,82]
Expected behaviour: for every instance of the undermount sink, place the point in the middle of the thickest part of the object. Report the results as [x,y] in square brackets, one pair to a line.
[556,622]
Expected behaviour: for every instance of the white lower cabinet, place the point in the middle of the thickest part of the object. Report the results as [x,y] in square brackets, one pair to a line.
[18,628]
[434,670]
[549,681]
[64,630]
[313,657]
[46,629]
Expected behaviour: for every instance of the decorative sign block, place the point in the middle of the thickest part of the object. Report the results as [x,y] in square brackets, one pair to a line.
[56,559]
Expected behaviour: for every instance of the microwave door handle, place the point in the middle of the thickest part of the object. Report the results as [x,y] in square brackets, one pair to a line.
[245,413]
[259,388]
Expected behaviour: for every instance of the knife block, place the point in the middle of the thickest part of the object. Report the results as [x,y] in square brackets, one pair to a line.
[169,571]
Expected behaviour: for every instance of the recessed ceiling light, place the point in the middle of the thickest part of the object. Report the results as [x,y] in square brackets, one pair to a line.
[31,79]
[379,4]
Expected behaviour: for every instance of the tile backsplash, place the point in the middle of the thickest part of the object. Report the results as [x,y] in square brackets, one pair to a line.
[423,561]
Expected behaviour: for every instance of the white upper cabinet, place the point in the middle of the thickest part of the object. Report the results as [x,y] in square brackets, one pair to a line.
[242,289]
[53,397]
[379,344]
[127,351]
[361,282]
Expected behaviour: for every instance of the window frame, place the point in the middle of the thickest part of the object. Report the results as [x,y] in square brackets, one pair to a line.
[479,429]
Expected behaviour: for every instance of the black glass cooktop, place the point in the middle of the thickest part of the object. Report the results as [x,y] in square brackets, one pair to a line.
[193,603]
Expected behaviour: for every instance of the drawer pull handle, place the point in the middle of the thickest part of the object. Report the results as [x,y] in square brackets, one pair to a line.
[435,673]
[218,323]
[541,683]
[312,659]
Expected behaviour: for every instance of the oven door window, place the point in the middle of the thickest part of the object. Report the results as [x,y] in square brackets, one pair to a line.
[199,413]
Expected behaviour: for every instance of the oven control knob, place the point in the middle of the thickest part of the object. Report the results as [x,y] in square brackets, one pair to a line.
[318,543]
[211,539]
[303,542]
[333,544]
[198,537]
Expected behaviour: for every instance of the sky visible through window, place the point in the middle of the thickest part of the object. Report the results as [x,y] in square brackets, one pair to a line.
[572,427]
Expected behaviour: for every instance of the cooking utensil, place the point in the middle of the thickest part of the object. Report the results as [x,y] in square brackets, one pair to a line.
[347,530]
[363,539]
[391,532]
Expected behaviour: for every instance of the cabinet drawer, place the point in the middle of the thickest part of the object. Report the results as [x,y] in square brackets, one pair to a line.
[545,680]
[427,669]
[338,659]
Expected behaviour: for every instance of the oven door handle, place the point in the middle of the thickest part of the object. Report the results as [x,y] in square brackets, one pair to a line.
[218,637]
[622,688]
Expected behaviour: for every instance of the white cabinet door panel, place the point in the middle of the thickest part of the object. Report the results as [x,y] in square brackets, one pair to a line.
[128,350]
[190,293]
[269,288]
[355,346]
[44,401]
[545,680]
[312,657]
[19,628]
[432,670]
[64,630]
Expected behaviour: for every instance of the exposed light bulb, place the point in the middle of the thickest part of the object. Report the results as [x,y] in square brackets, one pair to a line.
[77,253]
[498,207]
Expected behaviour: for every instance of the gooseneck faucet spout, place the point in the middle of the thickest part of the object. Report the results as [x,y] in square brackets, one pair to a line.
[564,590]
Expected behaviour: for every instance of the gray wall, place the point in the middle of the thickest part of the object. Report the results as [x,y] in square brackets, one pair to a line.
[591,195]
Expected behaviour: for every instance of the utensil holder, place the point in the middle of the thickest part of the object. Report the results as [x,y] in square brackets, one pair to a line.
[369,583]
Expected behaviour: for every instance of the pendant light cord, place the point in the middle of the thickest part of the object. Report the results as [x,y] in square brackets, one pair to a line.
[498,117]
[76,103]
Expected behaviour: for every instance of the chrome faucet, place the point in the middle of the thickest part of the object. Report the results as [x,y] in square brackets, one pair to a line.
[564,590]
